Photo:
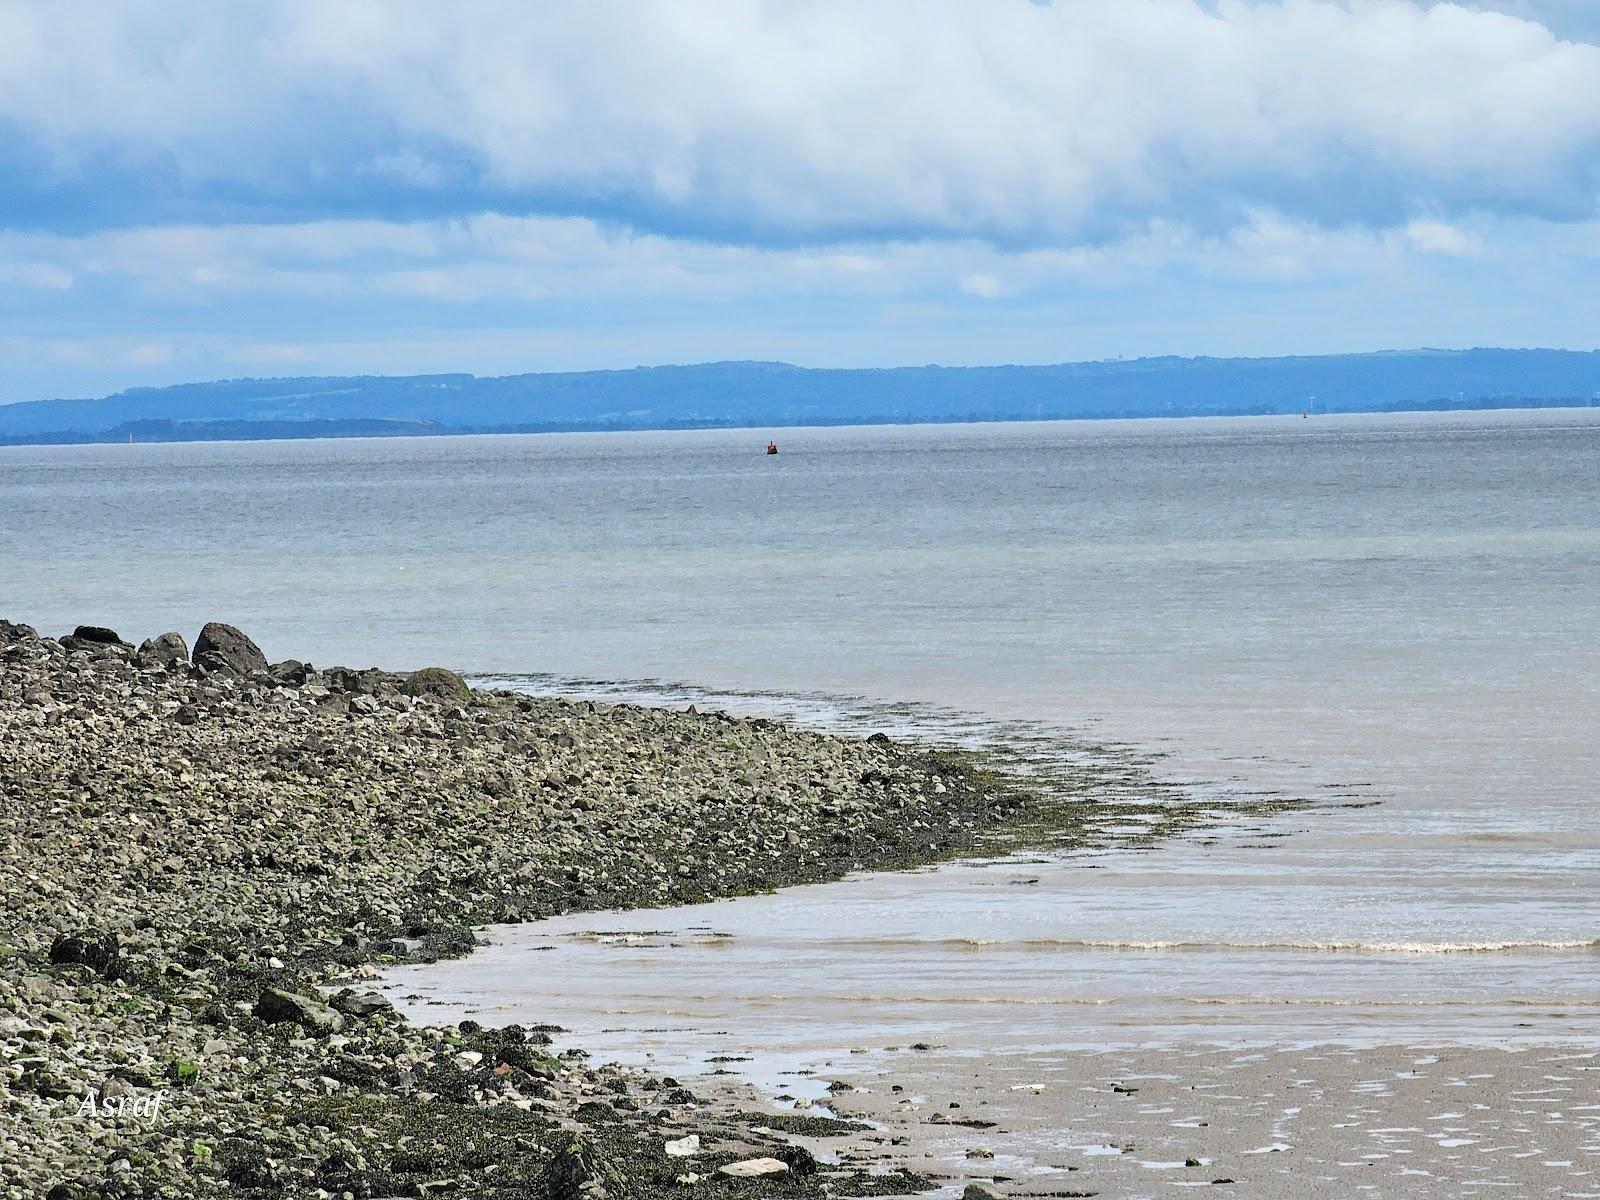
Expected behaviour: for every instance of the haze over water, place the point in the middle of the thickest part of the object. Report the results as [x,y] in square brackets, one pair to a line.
[1343,609]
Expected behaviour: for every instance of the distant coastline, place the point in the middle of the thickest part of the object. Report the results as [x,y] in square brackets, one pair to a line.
[778,395]
[179,432]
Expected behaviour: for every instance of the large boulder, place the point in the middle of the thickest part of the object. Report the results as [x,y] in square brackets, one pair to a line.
[436,682]
[163,651]
[277,1007]
[222,647]
[96,639]
[98,633]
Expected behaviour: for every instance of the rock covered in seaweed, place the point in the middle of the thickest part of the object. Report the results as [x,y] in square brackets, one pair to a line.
[436,682]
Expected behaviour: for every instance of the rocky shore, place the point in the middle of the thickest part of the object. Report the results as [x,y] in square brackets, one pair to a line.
[203,851]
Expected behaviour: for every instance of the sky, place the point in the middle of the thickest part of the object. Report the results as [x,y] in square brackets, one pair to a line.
[192,190]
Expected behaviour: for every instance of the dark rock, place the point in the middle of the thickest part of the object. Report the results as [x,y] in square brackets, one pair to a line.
[187,714]
[291,672]
[879,739]
[97,633]
[436,682]
[223,646]
[163,651]
[368,681]
[12,632]
[276,1007]
[365,1004]
[99,952]
[801,1161]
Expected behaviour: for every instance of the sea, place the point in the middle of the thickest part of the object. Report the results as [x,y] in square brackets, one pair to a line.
[1384,627]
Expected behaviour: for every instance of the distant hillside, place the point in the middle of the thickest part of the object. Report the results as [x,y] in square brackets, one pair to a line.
[776,394]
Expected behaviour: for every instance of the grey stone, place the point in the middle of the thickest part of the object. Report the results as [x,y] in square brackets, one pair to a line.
[753,1168]
[163,651]
[365,1004]
[12,632]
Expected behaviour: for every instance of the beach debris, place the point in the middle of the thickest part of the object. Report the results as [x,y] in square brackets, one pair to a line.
[753,1168]
[684,1147]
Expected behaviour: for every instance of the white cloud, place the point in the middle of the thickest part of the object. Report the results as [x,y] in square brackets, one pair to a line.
[500,260]
[1057,124]
[1437,237]
[984,286]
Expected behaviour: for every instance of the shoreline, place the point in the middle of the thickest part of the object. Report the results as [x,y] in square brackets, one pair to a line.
[197,847]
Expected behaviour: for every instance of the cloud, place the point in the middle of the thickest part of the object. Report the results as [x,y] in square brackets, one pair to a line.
[1436,237]
[1074,123]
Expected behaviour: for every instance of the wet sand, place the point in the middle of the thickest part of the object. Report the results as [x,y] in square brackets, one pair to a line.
[1329,1121]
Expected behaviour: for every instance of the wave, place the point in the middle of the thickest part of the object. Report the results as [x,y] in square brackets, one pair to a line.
[823,998]
[1309,946]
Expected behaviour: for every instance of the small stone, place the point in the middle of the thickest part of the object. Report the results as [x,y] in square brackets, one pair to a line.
[684,1147]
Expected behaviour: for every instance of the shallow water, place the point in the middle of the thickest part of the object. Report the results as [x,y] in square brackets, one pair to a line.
[1347,610]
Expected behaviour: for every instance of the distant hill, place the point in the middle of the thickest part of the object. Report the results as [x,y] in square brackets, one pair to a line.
[776,394]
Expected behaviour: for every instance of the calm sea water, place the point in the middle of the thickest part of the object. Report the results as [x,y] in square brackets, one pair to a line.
[1346,610]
